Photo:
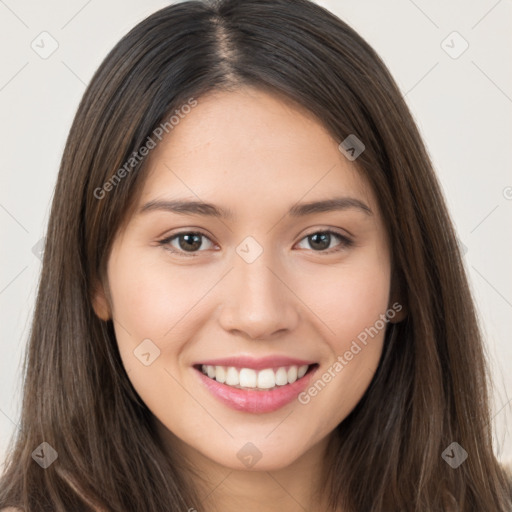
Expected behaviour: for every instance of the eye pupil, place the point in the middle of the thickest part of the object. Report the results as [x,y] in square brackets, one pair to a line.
[189,238]
[324,239]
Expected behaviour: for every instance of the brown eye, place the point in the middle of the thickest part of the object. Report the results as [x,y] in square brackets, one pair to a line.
[320,241]
[187,242]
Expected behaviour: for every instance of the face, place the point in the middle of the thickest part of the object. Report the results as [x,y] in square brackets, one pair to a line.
[254,290]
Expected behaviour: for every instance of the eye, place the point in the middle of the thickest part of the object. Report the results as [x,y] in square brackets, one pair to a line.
[321,240]
[188,242]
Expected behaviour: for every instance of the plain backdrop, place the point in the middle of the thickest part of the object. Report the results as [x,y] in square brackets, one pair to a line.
[450,59]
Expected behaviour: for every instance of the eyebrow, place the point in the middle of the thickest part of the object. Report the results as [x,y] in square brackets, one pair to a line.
[297,210]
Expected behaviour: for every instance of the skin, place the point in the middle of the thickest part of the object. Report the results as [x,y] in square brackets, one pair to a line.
[256,154]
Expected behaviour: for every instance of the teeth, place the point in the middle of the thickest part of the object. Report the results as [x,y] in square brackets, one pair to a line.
[266,379]
[249,378]
[220,374]
[232,375]
[282,376]
[302,371]
[292,374]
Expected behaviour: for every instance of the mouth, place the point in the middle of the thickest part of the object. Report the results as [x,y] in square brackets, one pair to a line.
[263,387]
[265,379]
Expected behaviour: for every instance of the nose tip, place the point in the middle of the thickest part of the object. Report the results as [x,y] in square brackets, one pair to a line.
[257,302]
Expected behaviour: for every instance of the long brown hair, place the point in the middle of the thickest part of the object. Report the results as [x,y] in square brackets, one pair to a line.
[431,387]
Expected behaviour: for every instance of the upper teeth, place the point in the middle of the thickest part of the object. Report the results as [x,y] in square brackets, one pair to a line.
[249,378]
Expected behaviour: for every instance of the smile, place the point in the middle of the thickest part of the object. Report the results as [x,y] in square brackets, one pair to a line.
[261,388]
[265,379]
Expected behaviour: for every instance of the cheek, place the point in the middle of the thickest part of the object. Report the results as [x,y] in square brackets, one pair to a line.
[152,306]
[348,299]
[351,305]
[154,299]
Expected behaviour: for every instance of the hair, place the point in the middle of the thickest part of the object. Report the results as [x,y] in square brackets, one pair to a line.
[432,384]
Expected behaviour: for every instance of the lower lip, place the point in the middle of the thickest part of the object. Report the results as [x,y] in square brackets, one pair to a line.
[254,401]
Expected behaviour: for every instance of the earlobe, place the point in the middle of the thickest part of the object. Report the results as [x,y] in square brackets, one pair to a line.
[100,303]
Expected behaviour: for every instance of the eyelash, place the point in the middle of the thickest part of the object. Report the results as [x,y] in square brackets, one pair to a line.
[345,242]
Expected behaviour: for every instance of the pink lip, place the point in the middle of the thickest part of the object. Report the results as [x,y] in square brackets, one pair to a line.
[274,362]
[255,401]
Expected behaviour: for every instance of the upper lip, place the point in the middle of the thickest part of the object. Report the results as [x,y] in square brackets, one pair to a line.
[256,363]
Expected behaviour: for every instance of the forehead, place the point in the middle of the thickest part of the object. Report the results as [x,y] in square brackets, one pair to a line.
[253,148]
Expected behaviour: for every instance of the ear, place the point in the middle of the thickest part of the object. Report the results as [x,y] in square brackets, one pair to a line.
[397,298]
[100,302]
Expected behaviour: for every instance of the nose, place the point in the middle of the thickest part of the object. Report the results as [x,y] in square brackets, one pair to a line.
[258,301]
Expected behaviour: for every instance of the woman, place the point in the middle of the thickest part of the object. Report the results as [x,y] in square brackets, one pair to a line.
[252,294]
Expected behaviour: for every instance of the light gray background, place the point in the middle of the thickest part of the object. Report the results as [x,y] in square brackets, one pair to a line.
[462,105]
